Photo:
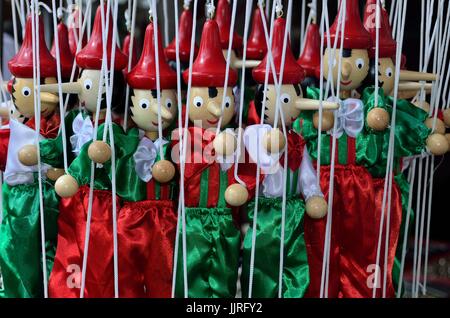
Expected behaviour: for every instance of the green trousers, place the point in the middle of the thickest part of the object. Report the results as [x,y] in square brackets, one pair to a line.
[20,238]
[295,276]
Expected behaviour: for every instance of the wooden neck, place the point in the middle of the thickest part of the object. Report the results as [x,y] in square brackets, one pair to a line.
[346,94]
[152,135]
[101,115]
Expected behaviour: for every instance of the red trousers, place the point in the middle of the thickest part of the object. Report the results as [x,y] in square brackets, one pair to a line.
[145,234]
[357,202]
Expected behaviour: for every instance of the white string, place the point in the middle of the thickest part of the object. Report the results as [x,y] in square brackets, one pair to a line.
[417,217]
[60,95]
[258,169]
[130,59]
[37,111]
[227,69]
[248,9]
[377,50]
[427,239]
[183,152]
[302,25]
[158,83]
[406,230]
[326,254]
[389,166]
[180,132]
[14,20]
[166,23]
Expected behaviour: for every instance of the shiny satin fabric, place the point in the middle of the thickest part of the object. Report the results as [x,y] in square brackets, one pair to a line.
[267,251]
[65,279]
[353,247]
[212,243]
[20,238]
[146,236]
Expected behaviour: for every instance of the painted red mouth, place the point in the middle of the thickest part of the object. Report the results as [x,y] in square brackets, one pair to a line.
[156,124]
[213,122]
[346,83]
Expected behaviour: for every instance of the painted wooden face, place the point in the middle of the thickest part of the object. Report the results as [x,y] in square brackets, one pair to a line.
[386,76]
[88,93]
[354,67]
[144,108]
[23,97]
[205,106]
[288,100]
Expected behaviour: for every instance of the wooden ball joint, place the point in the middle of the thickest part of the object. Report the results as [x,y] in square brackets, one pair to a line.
[446,114]
[316,207]
[99,151]
[327,120]
[274,141]
[378,119]
[437,144]
[163,171]
[448,140]
[66,186]
[28,155]
[439,128]
[225,144]
[54,173]
[236,195]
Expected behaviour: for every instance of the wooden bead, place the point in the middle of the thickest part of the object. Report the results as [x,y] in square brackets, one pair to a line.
[446,114]
[316,207]
[28,155]
[448,139]
[99,151]
[225,144]
[274,141]
[423,105]
[437,144]
[439,128]
[378,119]
[66,186]
[327,120]
[236,195]
[54,173]
[163,171]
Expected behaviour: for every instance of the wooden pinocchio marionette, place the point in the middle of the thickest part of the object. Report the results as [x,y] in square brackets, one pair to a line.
[147,220]
[20,240]
[74,187]
[211,191]
[267,146]
[352,243]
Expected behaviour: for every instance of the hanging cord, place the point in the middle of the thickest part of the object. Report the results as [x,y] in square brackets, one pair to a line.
[166,23]
[14,21]
[248,11]
[389,168]
[37,117]
[377,51]
[258,169]
[326,254]
[183,152]
[154,18]
[60,95]
[302,25]
[131,27]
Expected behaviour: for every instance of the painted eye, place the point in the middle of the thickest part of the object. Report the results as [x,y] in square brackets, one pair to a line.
[285,98]
[26,91]
[227,101]
[389,72]
[144,103]
[198,101]
[169,103]
[87,84]
[359,63]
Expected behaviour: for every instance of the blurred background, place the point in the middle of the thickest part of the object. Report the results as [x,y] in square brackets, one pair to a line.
[439,258]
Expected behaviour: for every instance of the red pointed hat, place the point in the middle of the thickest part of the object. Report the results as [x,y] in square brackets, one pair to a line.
[209,67]
[126,51]
[256,45]
[184,39]
[64,50]
[73,25]
[90,57]
[143,75]
[223,19]
[309,60]
[387,45]
[355,35]
[21,65]
[293,73]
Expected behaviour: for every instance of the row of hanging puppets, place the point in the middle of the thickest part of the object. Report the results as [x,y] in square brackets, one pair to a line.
[307,198]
